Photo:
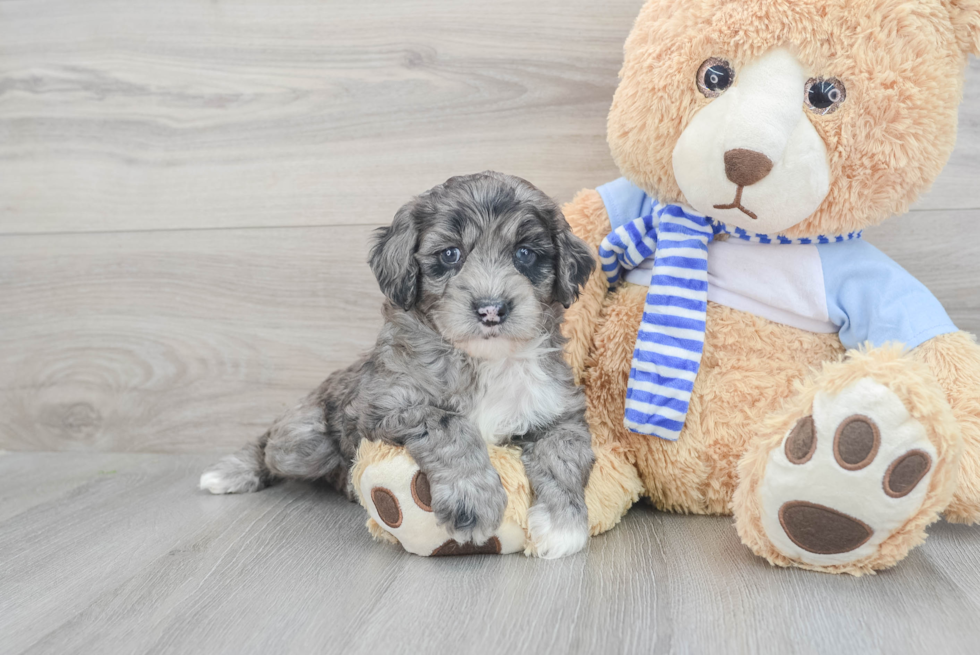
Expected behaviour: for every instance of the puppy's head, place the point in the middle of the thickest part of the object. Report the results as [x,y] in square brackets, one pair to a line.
[488,259]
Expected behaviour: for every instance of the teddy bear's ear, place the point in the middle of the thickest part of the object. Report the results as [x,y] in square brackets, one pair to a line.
[966,22]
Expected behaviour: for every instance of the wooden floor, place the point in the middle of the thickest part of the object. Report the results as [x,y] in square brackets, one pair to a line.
[119,553]
[187,189]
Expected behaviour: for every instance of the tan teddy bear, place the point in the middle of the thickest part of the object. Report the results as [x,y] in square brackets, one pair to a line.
[742,349]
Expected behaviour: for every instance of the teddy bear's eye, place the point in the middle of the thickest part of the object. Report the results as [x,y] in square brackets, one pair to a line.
[824,95]
[714,76]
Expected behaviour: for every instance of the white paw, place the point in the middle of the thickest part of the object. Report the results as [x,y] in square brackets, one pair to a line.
[219,482]
[214,482]
[846,478]
[551,541]
[396,495]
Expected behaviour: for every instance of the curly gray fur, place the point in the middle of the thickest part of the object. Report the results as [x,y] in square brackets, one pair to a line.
[447,376]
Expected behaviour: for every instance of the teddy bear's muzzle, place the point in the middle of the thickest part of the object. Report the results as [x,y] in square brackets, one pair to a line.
[745,167]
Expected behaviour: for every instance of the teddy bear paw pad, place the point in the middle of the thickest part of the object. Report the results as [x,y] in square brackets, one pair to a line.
[846,477]
[398,498]
[453,547]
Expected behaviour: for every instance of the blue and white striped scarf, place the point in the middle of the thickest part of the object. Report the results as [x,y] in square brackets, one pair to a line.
[670,340]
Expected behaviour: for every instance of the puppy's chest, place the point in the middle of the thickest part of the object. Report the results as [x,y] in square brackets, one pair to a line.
[514,396]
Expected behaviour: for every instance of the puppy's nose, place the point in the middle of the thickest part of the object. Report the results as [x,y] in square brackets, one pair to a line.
[746,167]
[490,312]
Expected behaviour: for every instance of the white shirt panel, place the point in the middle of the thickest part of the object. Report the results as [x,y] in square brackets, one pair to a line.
[783,283]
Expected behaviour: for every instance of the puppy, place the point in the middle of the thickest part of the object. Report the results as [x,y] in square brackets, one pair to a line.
[477,273]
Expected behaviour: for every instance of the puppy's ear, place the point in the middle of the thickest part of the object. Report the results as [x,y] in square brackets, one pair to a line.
[575,261]
[393,261]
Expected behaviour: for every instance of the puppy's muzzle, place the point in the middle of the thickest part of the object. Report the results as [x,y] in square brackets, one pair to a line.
[491,312]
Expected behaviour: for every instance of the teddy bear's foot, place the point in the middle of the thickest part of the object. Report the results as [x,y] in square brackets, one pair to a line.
[852,484]
[847,477]
[396,495]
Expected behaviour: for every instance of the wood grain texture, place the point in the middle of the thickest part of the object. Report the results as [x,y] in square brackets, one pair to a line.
[137,114]
[935,247]
[128,557]
[153,154]
[188,341]
[186,193]
[174,341]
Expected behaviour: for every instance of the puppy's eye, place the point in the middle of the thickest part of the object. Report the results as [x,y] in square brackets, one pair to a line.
[525,256]
[824,96]
[449,256]
[714,76]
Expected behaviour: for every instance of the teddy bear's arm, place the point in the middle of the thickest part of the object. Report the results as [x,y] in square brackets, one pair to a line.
[587,216]
[955,361]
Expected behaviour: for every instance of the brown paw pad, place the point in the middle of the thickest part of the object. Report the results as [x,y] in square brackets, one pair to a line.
[822,530]
[906,472]
[856,442]
[387,505]
[453,547]
[421,492]
[802,441]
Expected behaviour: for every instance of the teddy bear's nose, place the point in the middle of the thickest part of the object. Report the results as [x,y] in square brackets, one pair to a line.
[745,167]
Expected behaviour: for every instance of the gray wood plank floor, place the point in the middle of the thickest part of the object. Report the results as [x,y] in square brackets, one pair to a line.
[119,553]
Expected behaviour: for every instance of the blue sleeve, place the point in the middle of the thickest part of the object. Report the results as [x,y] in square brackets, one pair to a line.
[624,201]
[874,299]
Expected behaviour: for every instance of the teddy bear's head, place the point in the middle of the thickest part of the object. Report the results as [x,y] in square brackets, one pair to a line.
[796,117]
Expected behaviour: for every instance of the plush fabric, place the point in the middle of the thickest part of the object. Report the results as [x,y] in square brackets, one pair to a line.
[832,454]
[614,486]
[820,284]
[670,339]
[673,241]
[902,61]
[925,401]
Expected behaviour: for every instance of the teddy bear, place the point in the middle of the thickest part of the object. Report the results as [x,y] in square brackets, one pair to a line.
[742,349]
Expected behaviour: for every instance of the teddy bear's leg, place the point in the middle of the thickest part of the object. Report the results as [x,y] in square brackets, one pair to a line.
[846,477]
[586,214]
[395,493]
[614,486]
[954,360]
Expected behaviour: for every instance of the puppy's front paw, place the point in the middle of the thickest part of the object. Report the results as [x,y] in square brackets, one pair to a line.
[470,508]
[553,539]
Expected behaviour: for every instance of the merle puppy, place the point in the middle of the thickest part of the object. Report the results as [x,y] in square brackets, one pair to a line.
[477,274]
